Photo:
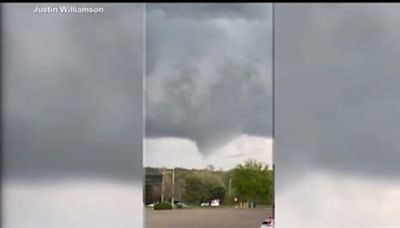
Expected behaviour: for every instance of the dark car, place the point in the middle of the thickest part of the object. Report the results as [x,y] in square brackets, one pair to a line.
[267,223]
[179,204]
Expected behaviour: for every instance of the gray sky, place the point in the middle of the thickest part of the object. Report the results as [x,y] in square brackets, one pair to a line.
[209,85]
[72,117]
[337,92]
[72,98]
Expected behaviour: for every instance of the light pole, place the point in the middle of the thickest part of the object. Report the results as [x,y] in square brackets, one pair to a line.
[230,187]
[173,186]
[162,186]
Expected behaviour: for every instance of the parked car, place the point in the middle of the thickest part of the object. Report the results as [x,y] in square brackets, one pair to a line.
[178,204]
[151,205]
[205,204]
[268,223]
[214,203]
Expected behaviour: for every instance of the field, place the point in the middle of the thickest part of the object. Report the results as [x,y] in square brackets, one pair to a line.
[206,217]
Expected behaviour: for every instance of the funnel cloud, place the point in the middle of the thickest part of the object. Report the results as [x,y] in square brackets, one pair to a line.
[212,82]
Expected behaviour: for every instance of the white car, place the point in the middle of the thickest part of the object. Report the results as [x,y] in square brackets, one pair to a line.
[152,204]
[214,203]
[205,204]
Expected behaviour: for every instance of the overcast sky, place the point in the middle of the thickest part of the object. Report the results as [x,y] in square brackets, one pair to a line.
[337,115]
[72,108]
[73,92]
[72,117]
[208,84]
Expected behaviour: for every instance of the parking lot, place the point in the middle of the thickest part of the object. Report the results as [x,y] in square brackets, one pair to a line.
[206,217]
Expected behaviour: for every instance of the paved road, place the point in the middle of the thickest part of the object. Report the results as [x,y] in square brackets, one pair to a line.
[206,218]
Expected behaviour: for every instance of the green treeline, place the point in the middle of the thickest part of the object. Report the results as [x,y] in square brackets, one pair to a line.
[251,182]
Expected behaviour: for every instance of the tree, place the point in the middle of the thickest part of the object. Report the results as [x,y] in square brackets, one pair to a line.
[217,192]
[253,182]
[203,188]
[194,191]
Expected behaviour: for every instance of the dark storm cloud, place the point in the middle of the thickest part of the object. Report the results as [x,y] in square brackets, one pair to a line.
[249,11]
[337,90]
[208,71]
[72,93]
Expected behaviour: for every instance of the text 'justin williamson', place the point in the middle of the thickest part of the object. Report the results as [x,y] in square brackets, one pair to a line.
[68,10]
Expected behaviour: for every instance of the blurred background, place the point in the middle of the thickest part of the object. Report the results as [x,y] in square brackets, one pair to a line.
[72,116]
